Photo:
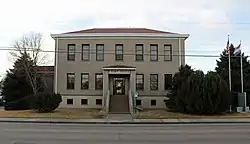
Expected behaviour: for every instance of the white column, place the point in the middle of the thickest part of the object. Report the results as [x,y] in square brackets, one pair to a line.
[56,66]
[105,88]
[179,52]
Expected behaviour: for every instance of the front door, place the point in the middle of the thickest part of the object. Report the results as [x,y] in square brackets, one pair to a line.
[119,86]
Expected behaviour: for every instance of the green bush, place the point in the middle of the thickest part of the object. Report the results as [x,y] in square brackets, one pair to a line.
[196,93]
[45,102]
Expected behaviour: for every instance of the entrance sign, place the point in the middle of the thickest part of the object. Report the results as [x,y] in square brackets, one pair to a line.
[119,72]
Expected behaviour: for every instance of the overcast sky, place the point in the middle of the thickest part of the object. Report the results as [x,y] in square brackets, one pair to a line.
[207,21]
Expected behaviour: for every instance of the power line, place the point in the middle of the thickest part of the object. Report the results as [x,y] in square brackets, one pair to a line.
[133,50]
[133,54]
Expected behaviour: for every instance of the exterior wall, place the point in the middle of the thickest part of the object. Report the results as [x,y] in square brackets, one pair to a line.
[77,102]
[145,67]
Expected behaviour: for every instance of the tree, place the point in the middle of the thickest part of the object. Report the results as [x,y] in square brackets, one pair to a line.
[196,93]
[178,79]
[30,45]
[222,69]
[16,89]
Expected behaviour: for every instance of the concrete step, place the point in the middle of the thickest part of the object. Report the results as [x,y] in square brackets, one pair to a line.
[119,104]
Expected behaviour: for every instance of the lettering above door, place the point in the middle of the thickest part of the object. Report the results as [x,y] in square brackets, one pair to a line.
[119,72]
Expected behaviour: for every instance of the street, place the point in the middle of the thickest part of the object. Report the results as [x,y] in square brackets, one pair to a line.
[24,133]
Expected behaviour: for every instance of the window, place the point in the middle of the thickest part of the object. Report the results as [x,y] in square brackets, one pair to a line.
[168,81]
[70,81]
[70,101]
[153,102]
[71,52]
[154,81]
[167,52]
[85,81]
[139,81]
[98,81]
[138,102]
[154,52]
[85,52]
[84,101]
[119,52]
[139,52]
[100,52]
[98,101]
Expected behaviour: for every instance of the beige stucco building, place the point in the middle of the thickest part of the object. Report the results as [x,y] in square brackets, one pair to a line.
[109,67]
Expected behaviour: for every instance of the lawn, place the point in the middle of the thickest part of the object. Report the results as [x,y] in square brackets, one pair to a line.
[70,113]
[164,114]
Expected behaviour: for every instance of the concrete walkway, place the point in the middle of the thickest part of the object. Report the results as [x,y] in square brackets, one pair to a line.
[114,120]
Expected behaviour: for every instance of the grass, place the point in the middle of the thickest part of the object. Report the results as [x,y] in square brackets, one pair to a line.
[67,113]
[164,114]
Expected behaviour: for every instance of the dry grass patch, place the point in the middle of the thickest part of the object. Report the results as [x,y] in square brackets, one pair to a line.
[164,114]
[67,113]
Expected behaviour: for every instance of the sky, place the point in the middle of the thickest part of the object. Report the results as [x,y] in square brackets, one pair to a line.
[208,22]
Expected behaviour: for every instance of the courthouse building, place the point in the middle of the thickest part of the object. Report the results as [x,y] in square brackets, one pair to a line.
[111,67]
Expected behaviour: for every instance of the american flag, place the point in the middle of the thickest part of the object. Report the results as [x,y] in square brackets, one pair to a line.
[227,48]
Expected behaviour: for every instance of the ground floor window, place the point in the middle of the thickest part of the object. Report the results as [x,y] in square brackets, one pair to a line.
[154,81]
[99,81]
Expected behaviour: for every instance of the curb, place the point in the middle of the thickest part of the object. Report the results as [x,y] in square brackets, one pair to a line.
[122,122]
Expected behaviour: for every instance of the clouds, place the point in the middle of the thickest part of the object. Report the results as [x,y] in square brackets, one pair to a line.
[207,22]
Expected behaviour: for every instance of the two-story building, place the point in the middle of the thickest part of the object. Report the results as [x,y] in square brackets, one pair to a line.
[109,67]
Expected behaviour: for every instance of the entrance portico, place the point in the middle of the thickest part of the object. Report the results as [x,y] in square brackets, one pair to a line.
[119,87]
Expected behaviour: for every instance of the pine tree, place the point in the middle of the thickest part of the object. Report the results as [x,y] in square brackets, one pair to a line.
[223,70]
[16,88]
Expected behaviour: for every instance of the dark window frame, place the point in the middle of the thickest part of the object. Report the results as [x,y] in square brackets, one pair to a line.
[137,55]
[167,56]
[68,84]
[157,51]
[98,100]
[167,86]
[96,87]
[87,51]
[117,58]
[69,54]
[70,103]
[157,81]
[83,102]
[138,83]
[153,102]
[82,74]
[97,52]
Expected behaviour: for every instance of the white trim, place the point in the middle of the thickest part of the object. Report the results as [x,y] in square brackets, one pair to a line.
[118,68]
[180,56]
[56,66]
[158,35]
[111,38]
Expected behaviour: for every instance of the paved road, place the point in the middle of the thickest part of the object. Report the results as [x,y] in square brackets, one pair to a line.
[17,133]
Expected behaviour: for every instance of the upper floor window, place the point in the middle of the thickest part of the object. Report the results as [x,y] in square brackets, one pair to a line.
[119,52]
[154,52]
[167,52]
[168,81]
[70,81]
[139,81]
[71,52]
[85,52]
[100,52]
[98,81]
[85,81]
[139,52]
[154,81]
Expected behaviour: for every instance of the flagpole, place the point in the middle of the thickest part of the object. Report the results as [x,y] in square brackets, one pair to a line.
[241,71]
[229,68]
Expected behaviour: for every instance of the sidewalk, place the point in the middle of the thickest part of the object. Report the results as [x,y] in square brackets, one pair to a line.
[131,121]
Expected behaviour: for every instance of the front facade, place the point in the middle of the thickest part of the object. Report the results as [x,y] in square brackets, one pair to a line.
[115,69]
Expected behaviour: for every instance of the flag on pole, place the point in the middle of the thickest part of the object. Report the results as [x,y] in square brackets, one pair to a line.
[227,47]
[237,50]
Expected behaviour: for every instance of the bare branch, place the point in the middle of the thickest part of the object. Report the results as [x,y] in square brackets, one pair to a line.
[30,45]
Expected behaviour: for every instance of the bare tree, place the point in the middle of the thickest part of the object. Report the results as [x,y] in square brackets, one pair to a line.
[30,45]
